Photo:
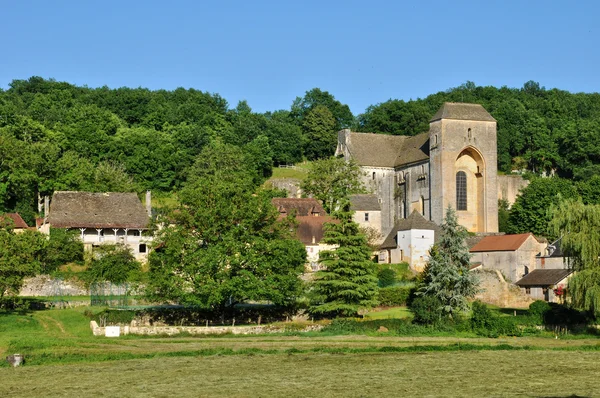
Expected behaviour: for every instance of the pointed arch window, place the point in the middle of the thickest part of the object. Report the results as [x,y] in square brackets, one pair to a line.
[461,190]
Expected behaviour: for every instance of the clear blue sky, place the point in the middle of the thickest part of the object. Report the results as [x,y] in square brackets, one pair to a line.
[269,52]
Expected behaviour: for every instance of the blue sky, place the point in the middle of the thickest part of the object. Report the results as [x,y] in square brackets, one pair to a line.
[269,52]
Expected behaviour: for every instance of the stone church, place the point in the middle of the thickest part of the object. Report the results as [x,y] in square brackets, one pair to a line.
[454,164]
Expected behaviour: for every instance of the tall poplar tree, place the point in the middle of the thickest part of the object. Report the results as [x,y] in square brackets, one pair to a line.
[348,282]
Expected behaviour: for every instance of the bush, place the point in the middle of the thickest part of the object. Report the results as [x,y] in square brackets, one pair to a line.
[426,310]
[395,296]
[387,277]
[401,327]
[481,317]
[485,323]
[539,308]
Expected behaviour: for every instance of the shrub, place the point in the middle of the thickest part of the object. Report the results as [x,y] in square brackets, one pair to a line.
[481,317]
[426,310]
[539,308]
[387,277]
[394,296]
[485,323]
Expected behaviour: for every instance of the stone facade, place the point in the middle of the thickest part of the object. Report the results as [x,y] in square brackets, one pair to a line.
[409,173]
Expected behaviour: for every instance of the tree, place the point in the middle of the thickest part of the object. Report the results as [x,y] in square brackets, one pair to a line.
[320,135]
[529,213]
[341,113]
[63,247]
[579,226]
[348,282]
[447,276]
[225,245]
[331,180]
[20,257]
[113,263]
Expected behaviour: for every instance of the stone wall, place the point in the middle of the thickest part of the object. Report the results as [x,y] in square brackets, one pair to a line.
[509,187]
[496,291]
[46,286]
[200,330]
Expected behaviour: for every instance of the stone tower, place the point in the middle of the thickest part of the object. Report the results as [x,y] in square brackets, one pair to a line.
[463,166]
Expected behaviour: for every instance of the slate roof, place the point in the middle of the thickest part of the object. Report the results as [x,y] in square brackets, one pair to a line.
[363,202]
[500,243]
[554,249]
[544,277]
[414,221]
[18,222]
[303,206]
[310,226]
[70,209]
[462,111]
[383,150]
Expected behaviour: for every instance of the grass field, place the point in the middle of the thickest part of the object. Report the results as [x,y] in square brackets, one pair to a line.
[390,313]
[64,359]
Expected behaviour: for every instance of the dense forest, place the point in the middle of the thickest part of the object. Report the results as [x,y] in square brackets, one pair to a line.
[58,136]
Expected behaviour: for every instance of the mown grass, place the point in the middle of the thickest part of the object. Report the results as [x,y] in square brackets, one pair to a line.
[390,313]
[332,374]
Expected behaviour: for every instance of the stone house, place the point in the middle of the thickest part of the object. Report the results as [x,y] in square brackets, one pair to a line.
[311,217]
[367,213]
[453,164]
[101,218]
[552,257]
[409,241]
[513,255]
[543,284]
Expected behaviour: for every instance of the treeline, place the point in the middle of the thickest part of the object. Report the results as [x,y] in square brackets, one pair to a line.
[58,136]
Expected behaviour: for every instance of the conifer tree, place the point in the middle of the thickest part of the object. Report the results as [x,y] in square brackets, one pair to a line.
[447,275]
[348,282]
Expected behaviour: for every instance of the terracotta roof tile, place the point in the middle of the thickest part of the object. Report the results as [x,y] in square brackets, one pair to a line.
[499,243]
[303,206]
[18,222]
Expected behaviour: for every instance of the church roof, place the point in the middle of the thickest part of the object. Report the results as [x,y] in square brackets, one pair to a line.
[383,150]
[364,203]
[461,111]
[414,221]
[71,209]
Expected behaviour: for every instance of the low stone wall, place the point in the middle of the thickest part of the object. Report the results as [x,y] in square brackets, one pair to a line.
[46,286]
[496,291]
[200,330]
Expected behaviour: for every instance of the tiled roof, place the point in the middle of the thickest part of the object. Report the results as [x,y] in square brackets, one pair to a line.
[500,243]
[461,111]
[18,222]
[70,209]
[364,203]
[544,277]
[302,206]
[310,227]
[414,221]
[383,150]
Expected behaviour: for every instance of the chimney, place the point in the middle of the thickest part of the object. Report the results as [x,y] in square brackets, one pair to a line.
[149,203]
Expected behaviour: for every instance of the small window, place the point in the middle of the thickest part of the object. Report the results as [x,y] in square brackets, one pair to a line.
[435,139]
[373,175]
[142,248]
[366,216]
[136,233]
[527,290]
[469,133]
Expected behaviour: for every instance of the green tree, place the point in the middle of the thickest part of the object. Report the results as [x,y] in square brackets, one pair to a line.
[63,247]
[341,113]
[226,245]
[320,135]
[529,213]
[348,282]
[447,276]
[20,257]
[331,180]
[113,263]
[503,215]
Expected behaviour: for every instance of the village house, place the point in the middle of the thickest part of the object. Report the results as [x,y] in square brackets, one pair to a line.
[103,218]
[367,213]
[410,241]
[513,255]
[311,217]
[546,284]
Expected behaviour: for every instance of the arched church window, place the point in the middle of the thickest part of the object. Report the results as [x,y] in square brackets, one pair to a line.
[469,134]
[461,190]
